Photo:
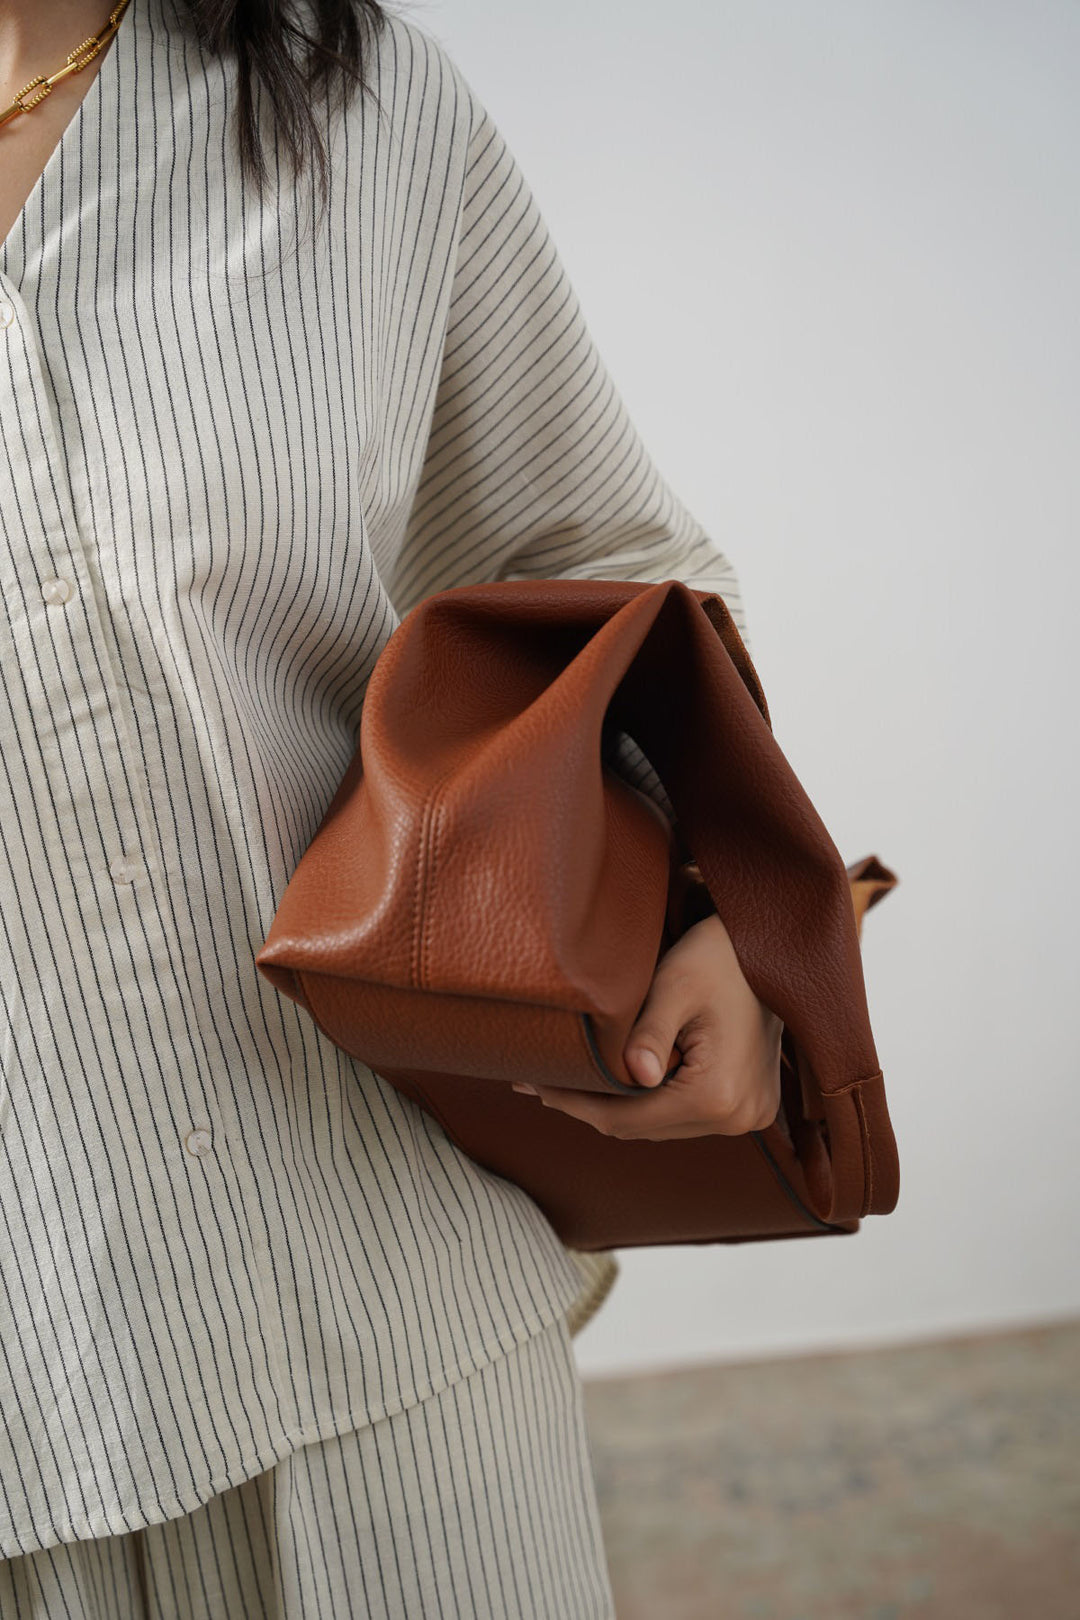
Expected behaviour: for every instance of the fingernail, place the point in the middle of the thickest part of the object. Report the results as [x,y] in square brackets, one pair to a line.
[649,1065]
[521,1086]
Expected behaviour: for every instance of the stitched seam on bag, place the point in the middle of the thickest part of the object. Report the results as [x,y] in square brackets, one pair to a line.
[852,1085]
[868,1157]
[414,971]
[425,889]
[438,822]
[421,884]
[416,966]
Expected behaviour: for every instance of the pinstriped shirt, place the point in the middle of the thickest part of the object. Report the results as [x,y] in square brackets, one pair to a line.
[239,439]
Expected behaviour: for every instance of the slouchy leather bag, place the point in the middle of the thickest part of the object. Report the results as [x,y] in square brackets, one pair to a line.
[486,900]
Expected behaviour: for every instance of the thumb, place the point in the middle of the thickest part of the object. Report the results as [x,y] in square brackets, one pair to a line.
[651,1052]
[673,999]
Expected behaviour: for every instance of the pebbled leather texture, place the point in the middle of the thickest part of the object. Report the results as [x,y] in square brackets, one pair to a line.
[486,900]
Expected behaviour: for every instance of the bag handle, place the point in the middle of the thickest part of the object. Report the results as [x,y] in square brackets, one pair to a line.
[772,870]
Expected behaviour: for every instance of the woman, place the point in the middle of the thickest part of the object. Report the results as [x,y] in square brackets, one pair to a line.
[284,347]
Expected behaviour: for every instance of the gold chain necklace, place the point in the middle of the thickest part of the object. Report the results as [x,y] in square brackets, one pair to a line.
[76,61]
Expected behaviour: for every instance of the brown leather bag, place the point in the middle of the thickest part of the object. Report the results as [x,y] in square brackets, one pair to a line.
[486,900]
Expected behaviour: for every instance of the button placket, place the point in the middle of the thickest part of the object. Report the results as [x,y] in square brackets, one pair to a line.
[61,543]
[77,694]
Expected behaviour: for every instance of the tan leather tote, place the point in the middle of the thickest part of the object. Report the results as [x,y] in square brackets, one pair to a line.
[486,900]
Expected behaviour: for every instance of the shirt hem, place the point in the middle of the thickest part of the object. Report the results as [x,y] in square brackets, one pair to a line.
[137,1513]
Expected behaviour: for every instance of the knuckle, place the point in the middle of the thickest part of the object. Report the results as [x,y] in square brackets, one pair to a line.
[741,1122]
[741,1112]
[758,1116]
[768,1112]
[729,1100]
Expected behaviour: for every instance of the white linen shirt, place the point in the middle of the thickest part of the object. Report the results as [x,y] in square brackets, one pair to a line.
[230,461]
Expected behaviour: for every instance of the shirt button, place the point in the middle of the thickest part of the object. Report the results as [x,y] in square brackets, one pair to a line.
[198,1142]
[56,590]
[7,312]
[125,869]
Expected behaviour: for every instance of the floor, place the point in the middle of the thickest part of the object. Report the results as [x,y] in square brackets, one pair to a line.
[934,1482]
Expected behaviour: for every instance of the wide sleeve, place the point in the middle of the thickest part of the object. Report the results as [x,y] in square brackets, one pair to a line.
[533,467]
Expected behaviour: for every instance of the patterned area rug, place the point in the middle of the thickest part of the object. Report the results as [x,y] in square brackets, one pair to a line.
[933,1482]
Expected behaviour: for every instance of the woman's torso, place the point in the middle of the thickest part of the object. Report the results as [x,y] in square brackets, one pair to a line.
[224,1237]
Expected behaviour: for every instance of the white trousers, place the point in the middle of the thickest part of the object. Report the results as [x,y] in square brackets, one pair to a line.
[477,1503]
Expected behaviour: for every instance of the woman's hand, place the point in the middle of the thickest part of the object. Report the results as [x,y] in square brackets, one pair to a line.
[729,1079]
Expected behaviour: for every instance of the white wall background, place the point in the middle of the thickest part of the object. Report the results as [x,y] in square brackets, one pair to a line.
[831,255]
